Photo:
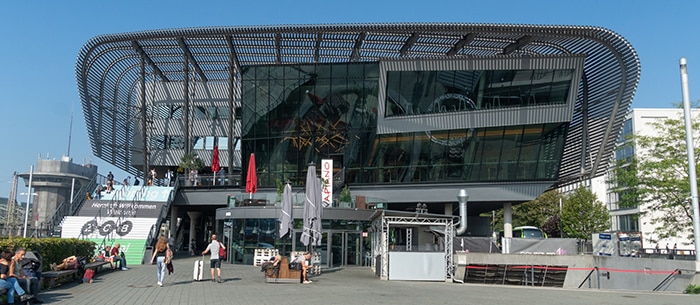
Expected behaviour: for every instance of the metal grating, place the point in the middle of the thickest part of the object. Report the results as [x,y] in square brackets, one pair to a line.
[108,69]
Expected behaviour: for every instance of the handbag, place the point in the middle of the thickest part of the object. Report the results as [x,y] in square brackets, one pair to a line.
[222,252]
[171,270]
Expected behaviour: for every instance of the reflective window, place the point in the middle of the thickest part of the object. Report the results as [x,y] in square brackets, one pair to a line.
[420,92]
[297,114]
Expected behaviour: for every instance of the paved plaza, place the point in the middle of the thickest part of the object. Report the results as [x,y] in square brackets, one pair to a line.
[356,285]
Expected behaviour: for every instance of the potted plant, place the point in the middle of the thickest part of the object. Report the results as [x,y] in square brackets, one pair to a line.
[345,198]
[191,162]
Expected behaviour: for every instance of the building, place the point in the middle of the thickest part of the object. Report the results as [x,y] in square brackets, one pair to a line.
[58,188]
[409,113]
[638,218]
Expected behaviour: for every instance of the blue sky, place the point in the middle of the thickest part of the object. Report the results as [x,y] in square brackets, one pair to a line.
[40,41]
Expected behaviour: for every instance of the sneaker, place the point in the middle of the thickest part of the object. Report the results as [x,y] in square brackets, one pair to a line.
[307,282]
[160,284]
[25,297]
[125,268]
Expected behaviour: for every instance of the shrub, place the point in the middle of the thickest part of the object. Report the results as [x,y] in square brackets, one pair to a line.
[692,289]
[52,249]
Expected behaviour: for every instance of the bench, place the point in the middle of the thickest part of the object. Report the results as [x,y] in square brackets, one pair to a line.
[98,266]
[282,274]
[52,278]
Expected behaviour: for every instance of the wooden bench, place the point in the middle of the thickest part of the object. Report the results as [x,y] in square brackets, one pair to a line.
[52,278]
[98,266]
[282,274]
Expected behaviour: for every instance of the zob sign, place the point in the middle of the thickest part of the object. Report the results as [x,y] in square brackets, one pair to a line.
[122,228]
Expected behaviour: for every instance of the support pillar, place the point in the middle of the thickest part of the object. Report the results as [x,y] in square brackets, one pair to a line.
[507,227]
[194,218]
[448,208]
[173,225]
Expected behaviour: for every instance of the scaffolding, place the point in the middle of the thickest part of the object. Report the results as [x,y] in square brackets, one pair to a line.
[384,221]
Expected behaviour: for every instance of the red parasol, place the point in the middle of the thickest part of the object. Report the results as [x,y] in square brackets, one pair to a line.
[215,160]
[251,180]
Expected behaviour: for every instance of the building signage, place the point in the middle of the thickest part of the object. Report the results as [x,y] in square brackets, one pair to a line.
[327,182]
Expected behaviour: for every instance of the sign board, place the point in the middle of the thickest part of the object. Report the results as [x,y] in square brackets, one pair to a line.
[327,182]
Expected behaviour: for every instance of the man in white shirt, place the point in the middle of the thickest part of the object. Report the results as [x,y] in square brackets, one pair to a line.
[214,262]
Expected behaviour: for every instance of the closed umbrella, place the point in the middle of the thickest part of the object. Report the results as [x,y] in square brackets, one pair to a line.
[286,215]
[317,214]
[313,196]
[215,163]
[251,180]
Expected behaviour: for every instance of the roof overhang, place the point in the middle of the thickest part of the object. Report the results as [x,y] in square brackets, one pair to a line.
[111,67]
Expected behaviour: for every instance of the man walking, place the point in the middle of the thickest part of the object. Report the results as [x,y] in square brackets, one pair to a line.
[214,262]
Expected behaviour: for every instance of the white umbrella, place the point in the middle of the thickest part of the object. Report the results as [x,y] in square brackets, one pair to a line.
[313,199]
[286,215]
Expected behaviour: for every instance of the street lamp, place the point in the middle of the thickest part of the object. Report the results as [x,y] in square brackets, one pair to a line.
[26,212]
[29,200]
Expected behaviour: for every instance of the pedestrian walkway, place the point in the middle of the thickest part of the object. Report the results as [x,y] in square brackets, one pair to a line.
[244,284]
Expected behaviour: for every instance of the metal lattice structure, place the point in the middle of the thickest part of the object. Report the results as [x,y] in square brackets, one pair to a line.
[113,71]
[383,222]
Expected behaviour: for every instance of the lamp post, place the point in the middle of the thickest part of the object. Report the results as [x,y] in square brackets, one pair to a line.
[692,176]
[29,198]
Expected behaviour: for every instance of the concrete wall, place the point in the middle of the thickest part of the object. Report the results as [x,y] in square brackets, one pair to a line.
[613,272]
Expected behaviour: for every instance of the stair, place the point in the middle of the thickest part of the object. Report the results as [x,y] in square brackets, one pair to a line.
[130,233]
[548,276]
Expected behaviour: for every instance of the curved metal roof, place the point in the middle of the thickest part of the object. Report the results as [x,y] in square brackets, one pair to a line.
[108,69]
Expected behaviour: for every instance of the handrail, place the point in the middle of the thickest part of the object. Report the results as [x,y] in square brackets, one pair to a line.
[65,209]
[666,279]
[155,229]
[587,277]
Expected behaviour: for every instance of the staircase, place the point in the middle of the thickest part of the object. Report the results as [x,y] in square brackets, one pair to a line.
[131,233]
[523,275]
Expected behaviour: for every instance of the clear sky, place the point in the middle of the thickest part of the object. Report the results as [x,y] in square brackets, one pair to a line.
[40,41]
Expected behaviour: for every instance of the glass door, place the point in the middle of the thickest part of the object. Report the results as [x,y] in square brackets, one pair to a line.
[346,249]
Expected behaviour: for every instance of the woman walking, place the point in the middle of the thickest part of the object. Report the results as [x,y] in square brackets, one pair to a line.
[159,256]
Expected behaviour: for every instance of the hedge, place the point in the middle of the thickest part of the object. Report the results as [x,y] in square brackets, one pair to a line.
[52,249]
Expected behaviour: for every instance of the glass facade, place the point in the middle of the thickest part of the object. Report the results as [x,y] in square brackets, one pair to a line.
[342,239]
[296,114]
[419,92]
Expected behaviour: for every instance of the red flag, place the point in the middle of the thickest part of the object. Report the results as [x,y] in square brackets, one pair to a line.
[251,180]
[215,160]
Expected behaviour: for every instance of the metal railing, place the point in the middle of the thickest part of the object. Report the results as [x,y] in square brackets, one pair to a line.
[71,206]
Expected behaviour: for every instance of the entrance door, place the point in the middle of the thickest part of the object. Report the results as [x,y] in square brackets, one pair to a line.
[346,249]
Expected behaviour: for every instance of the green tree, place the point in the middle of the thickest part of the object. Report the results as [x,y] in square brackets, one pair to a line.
[543,212]
[191,161]
[625,182]
[662,177]
[583,214]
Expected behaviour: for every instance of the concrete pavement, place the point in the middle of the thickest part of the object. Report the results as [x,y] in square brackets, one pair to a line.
[356,285]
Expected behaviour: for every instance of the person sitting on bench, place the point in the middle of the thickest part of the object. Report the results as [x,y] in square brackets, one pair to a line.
[273,263]
[302,260]
[116,256]
[30,284]
[70,262]
[9,282]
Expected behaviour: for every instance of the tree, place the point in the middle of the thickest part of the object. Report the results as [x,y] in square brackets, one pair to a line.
[191,161]
[345,195]
[543,212]
[625,182]
[662,177]
[583,214]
